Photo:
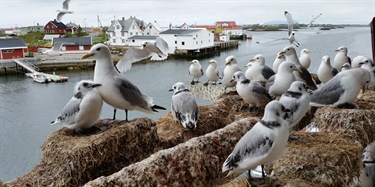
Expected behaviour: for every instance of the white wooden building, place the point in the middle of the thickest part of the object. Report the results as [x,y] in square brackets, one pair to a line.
[154,28]
[120,30]
[187,39]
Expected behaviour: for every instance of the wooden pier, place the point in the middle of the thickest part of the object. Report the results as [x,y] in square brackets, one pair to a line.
[206,51]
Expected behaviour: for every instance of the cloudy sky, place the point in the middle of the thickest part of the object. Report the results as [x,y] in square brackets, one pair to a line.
[29,12]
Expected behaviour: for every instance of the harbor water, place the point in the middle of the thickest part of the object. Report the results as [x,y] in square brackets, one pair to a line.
[27,108]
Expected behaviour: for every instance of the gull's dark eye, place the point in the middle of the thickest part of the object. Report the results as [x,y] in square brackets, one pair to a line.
[98,49]
[85,84]
[291,66]
[300,89]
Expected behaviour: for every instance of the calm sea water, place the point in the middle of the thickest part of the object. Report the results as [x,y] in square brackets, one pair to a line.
[27,107]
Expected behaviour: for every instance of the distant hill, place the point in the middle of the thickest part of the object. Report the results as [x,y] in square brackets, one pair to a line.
[278,22]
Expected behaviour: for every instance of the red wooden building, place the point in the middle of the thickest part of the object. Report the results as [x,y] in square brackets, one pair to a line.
[54,27]
[74,44]
[12,48]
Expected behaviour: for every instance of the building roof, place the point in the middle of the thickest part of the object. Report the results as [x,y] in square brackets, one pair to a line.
[12,43]
[126,23]
[229,23]
[143,37]
[50,36]
[181,31]
[206,26]
[58,24]
[77,41]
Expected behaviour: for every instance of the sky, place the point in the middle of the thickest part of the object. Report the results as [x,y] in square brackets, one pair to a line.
[20,13]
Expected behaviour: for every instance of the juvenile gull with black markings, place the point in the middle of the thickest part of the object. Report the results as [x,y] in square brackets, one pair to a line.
[184,108]
[297,100]
[117,91]
[262,144]
[83,109]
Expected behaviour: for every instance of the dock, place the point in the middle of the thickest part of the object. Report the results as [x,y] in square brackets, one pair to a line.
[206,51]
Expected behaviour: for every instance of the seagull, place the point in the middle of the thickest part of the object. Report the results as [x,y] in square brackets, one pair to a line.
[251,92]
[282,80]
[83,109]
[325,71]
[157,50]
[305,59]
[367,177]
[212,73]
[279,59]
[297,100]
[341,57]
[63,11]
[184,107]
[342,89]
[231,67]
[117,91]
[346,66]
[195,70]
[55,50]
[356,60]
[257,70]
[369,65]
[291,33]
[305,76]
[262,144]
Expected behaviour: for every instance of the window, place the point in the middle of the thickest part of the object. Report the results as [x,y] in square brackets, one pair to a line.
[123,40]
[131,33]
[175,42]
[114,34]
[150,26]
[133,26]
[81,48]
[196,42]
[182,43]
[136,33]
[117,26]
[122,34]
[133,41]
[114,40]
[47,26]
[7,50]
[63,48]
[148,33]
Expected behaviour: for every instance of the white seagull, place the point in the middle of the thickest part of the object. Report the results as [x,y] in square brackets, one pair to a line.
[257,70]
[304,58]
[341,57]
[291,33]
[283,79]
[342,89]
[195,70]
[116,90]
[231,66]
[251,92]
[157,50]
[370,66]
[55,50]
[346,66]
[83,109]
[184,107]
[367,177]
[297,100]
[356,60]
[305,76]
[278,60]
[212,73]
[262,144]
[63,11]
[325,71]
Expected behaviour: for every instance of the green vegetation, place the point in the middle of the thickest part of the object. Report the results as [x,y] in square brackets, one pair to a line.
[101,38]
[34,39]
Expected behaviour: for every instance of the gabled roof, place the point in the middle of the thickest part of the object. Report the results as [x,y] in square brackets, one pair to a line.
[229,23]
[77,41]
[12,43]
[181,31]
[125,24]
[143,37]
[58,24]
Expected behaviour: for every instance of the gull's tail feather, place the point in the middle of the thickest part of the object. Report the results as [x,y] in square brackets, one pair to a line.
[157,107]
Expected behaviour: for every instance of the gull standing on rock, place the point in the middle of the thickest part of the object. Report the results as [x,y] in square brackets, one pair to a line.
[83,109]
[184,107]
[231,67]
[257,70]
[212,73]
[262,144]
[297,100]
[305,59]
[341,57]
[342,89]
[117,91]
[279,59]
[325,71]
[251,92]
[369,65]
[283,79]
[195,70]
[305,76]
[157,50]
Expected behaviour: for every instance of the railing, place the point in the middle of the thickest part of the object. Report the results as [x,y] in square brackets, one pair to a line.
[30,65]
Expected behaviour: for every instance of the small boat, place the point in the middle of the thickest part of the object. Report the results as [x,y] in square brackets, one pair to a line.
[41,78]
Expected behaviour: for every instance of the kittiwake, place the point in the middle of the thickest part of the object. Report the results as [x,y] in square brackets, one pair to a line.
[117,91]
[346,66]
[63,11]
[369,65]
[258,70]
[212,73]
[304,58]
[278,60]
[341,57]
[231,67]
[195,70]
[325,71]
[357,60]
[184,108]
[283,79]
[83,109]
[291,33]
[367,177]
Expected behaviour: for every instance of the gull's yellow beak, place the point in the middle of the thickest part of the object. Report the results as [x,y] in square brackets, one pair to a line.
[227,63]
[88,55]
[298,70]
[252,60]
[208,62]
[191,62]
[363,89]
[337,50]
[281,53]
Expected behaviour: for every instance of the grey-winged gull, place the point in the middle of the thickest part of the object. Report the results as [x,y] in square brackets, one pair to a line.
[83,109]
[257,70]
[305,76]
[117,91]
[341,57]
[369,65]
[251,92]
[184,108]
[262,144]
[342,89]
[156,49]
[291,33]
[325,71]
[304,58]
[282,80]
[367,177]
[63,11]
[195,70]
[356,61]
[278,60]
[297,100]
[231,66]
[212,73]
